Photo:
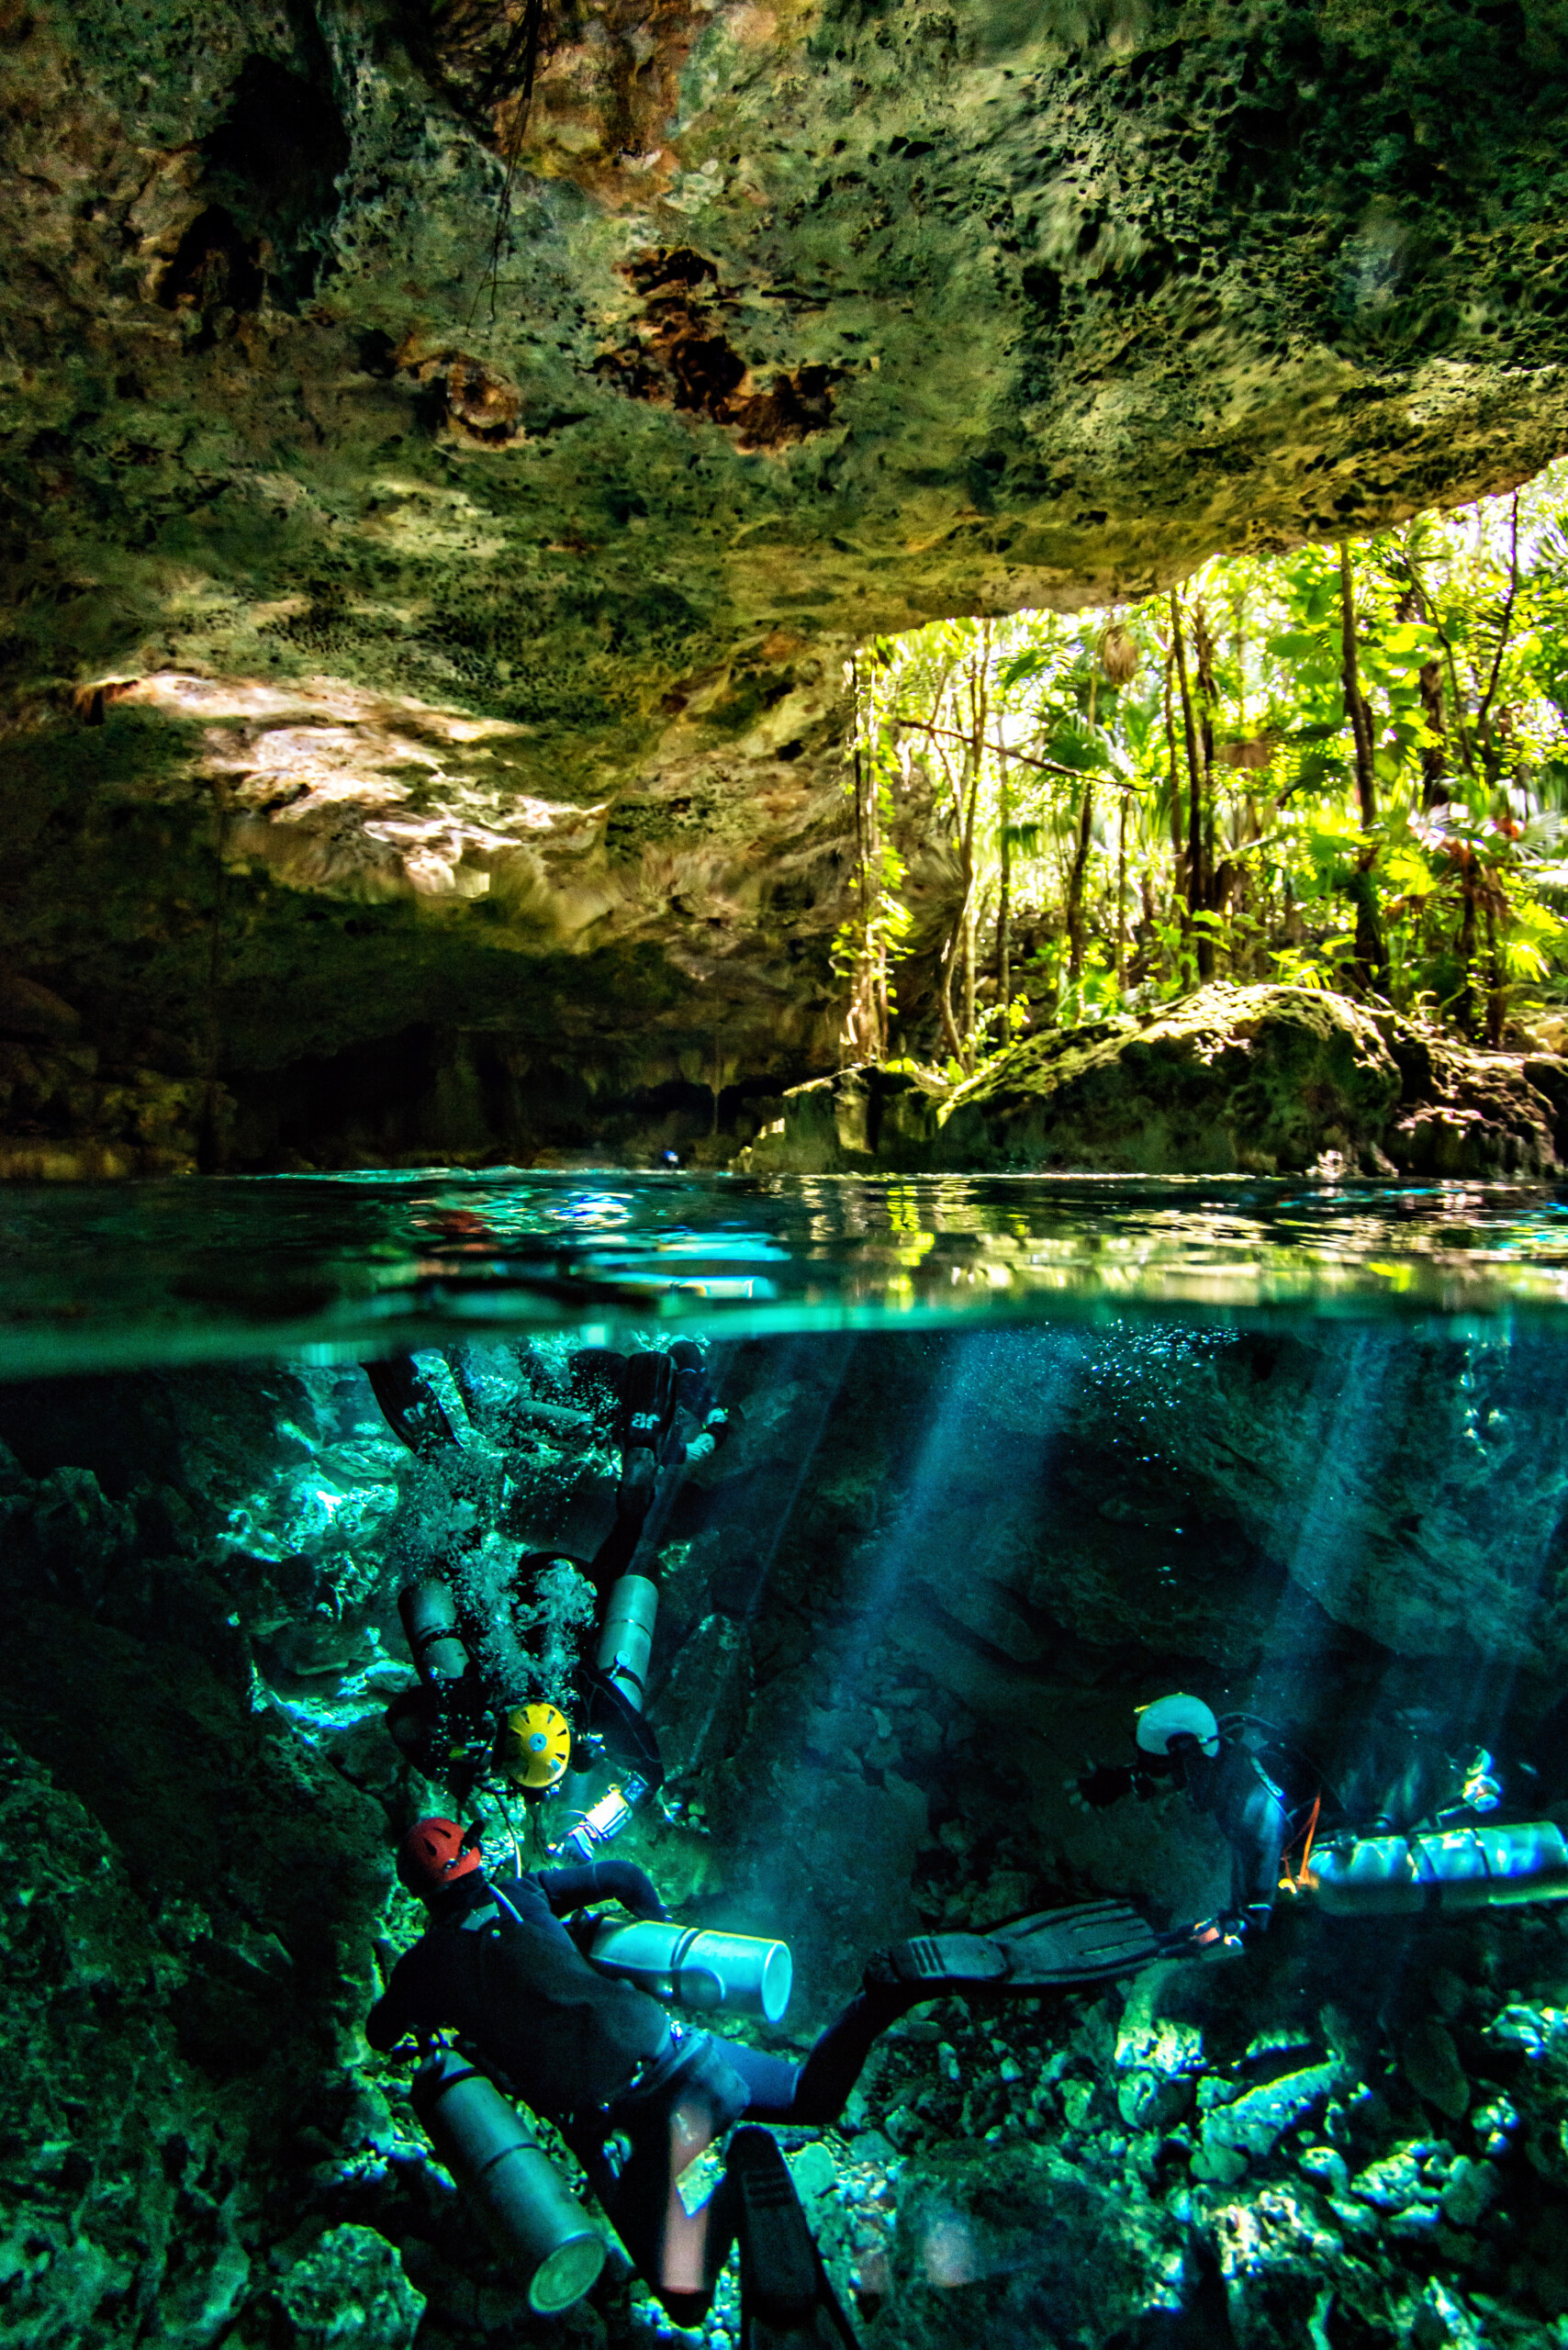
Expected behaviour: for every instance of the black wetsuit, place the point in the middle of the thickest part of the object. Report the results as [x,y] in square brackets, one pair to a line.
[1253,1812]
[567,2036]
[598,2057]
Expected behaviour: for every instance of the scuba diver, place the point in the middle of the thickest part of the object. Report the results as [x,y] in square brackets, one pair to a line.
[638,2096]
[662,1416]
[1273,1803]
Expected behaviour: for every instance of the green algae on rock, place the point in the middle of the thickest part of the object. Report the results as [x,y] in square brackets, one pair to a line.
[1257,1080]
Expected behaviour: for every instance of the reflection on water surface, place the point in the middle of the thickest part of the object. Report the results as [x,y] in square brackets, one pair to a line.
[95,1278]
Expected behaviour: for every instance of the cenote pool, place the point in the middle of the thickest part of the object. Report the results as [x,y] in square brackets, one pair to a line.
[860,1567]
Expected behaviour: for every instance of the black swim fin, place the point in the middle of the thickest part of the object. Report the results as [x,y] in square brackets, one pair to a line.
[1053,1949]
[787,2301]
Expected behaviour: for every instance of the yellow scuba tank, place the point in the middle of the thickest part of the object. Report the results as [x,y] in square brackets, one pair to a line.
[1468,1867]
[536,2226]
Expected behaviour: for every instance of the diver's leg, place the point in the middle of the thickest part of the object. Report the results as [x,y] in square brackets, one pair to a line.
[679,2253]
[813,2093]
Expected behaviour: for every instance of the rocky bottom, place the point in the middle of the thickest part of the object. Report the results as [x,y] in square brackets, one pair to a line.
[1356,2136]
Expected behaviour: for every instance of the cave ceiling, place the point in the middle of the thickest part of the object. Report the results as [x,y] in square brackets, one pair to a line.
[436,528]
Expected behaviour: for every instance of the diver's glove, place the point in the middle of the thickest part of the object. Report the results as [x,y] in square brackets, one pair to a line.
[1482,1791]
[715,1432]
[1217,1937]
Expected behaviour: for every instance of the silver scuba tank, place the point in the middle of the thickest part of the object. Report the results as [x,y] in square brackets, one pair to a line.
[1472,1867]
[535,2225]
[744,1974]
[429,1623]
[627,1640]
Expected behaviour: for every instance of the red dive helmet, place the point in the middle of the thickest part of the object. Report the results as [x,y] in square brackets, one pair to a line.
[433,1855]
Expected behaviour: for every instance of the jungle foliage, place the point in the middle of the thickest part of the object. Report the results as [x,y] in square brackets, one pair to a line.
[1345,767]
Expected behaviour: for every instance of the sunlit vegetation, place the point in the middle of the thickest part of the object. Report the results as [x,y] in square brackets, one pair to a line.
[1344,767]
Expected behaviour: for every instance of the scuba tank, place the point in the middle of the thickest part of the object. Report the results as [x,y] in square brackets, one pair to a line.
[536,2226]
[626,1641]
[744,1974]
[1444,1868]
[429,1623]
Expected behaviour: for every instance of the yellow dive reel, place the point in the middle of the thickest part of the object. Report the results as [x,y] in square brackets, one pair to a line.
[535,1747]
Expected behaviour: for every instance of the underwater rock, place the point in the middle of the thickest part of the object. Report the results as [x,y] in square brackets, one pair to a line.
[120,2192]
[349,2287]
[1254,2122]
[1011,2243]
[1429,2062]
[1257,1080]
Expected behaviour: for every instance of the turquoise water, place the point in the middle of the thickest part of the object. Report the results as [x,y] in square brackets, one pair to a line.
[327,1269]
[1003,1459]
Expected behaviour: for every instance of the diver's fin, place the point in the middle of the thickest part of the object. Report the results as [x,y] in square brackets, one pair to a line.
[1093,1943]
[948,1962]
[787,2302]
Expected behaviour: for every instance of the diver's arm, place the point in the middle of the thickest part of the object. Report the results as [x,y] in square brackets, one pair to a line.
[1257,1837]
[622,1881]
[396,2013]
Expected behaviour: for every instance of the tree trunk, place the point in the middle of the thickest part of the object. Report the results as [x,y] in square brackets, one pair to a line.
[1371,959]
[1435,756]
[1464,1009]
[1496,994]
[1178,829]
[1075,887]
[1122,895]
[1003,902]
[1195,895]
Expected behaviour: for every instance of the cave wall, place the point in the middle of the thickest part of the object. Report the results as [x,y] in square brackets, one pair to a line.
[428,582]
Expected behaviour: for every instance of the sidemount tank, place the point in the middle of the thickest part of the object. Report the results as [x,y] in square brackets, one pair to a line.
[627,1640]
[1442,1869]
[429,1623]
[741,1972]
[534,2223]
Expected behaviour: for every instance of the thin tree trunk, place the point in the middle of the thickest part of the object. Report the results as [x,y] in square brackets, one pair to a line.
[1372,960]
[1004,904]
[1075,887]
[1208,697]
[1435,755]
[1122,895]
[1496,994]
[1483,712]
[211,1139]
[1465,1007]
[1178,835]
[1195,806]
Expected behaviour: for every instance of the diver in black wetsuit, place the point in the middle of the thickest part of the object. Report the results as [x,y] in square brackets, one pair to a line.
[1269,1800]
[637,2097]
[664,1415]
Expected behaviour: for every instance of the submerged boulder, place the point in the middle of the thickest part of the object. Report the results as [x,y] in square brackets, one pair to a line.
[1013,2243]
[1250,1080]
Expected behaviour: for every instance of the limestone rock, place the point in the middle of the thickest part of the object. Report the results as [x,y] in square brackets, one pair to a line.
[120,2192]
[424,567]
[1430,2064]
[1229,1080]
[349,2289]
[1013,2243]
